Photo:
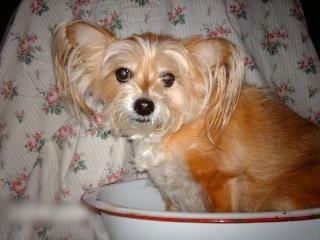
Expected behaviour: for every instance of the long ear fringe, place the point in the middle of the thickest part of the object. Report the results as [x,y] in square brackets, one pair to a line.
[227,84]
[71,79]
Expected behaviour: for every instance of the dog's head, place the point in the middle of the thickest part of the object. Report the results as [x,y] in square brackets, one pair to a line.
[148,84]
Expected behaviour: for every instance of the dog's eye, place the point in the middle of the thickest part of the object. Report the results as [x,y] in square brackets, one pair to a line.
[123,74]
[168,79]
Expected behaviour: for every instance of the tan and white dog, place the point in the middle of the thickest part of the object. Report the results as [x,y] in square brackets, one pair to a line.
[208,142]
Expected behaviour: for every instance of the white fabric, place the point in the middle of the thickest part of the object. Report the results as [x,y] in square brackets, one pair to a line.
[46,154]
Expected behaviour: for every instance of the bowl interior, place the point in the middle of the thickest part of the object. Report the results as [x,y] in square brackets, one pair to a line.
[140,199]
[138,194]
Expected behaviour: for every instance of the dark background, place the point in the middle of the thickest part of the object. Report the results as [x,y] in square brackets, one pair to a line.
[7,10]
[311,10]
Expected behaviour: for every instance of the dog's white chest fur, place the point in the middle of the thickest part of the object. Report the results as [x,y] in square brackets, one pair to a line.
[169,171]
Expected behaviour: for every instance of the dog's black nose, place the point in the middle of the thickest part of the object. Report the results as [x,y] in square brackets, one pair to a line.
[143,106]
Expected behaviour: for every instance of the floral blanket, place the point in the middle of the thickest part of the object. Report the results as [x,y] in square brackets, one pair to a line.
[46,154]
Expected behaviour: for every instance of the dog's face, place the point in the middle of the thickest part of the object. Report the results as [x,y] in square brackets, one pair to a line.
[144,81]
[148,84]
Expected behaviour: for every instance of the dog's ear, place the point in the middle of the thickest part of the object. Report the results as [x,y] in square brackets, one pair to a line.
[224,67]
[78,47]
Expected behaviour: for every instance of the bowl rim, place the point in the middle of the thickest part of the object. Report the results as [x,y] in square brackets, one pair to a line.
[90,201]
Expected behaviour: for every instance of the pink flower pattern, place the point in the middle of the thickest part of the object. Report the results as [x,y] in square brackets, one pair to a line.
[9,90]
[38,7]
[27,47]
[297,11]
[53,103]
[217,31]
[3,133]
[41,229]
[177,16]
[61,137]
[249,63]
[112,21]
[314,117]
[63,194]
[238,9]
[35,142]
[77,163]
[312,91]
[17,185]
[282,41]
[98,119]
[97,127]
[80,8]
[273,40]
[284,92]
[307,64]
[114,176]
[20,115]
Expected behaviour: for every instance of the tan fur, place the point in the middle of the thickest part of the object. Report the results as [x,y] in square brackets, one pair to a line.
[266,159]
[209,143]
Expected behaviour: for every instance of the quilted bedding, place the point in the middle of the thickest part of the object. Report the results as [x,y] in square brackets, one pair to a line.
[46,154]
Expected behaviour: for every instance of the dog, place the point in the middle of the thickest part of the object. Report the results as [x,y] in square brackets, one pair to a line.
[209,142]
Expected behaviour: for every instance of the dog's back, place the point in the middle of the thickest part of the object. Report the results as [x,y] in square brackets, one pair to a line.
[267,158]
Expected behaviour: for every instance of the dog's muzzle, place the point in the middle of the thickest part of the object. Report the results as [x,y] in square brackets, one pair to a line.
[143,107]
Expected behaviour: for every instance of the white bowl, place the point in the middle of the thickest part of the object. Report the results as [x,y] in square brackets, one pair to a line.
[134,210]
